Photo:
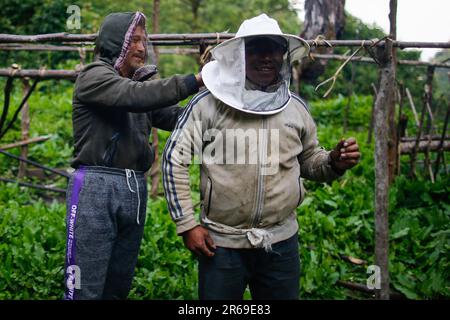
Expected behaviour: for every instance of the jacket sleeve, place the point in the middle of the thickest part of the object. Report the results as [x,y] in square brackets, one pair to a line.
[101,86]
[184,143]
[314,159]
[166,118]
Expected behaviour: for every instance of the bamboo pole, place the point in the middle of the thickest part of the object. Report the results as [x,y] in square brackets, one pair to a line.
[192,51]
[371,61]
[49,47]
[210,37]
[424,146]
[41,74]
[433,137]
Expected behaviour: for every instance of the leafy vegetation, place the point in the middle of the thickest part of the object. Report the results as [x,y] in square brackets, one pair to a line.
[335,219]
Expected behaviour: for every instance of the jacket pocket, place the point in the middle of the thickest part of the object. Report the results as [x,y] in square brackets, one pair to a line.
[301,191]
[208,197]
[108,155]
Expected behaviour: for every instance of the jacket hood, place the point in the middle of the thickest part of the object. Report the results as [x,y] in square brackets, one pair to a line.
[225,76]
[114,37]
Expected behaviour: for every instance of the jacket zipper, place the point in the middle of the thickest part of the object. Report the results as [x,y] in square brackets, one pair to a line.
[209,196]
[261,174]
[300,191]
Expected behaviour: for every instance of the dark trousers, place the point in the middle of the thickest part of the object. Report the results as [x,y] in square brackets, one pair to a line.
[103,233]
[274,275]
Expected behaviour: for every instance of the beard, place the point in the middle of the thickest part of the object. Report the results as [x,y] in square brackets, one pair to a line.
[131,64]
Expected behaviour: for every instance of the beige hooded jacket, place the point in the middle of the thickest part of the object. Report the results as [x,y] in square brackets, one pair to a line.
[251,159]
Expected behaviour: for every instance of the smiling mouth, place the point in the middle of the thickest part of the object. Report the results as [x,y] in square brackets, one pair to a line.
[265,69]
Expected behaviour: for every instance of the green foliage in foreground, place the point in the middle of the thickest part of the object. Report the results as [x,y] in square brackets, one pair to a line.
[335,219]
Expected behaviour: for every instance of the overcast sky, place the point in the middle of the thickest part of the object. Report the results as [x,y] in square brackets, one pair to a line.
[417,20]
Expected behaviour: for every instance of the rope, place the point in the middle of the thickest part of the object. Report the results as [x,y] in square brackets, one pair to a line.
[217,38]
[338,71]
[14,68]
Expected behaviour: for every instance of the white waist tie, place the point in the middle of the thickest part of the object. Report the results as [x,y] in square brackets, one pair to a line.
[128,174]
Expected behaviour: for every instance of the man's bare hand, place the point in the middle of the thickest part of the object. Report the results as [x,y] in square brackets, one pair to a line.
[345,155]
[199,241]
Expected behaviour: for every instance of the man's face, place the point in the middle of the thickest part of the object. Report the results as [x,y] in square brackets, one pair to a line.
[135,57]
[263,61]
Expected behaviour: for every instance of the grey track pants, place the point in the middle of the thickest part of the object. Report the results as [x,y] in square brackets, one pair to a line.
[106,210]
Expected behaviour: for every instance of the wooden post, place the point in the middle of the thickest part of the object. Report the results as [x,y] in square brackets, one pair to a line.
[350,97]
[401,126]
[155,170]
[441,143]
[384,139]
[413,107]
[416,146]
[25,125]
[375,93]
[155,25]
[430,123]
[392,144]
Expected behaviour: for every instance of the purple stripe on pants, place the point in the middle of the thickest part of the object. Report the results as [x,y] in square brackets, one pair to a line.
[72,272]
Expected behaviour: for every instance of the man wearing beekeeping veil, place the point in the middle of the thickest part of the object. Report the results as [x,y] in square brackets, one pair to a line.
[254,141]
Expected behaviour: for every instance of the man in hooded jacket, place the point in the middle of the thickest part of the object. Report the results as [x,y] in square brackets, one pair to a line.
[255,141]
[116,102]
